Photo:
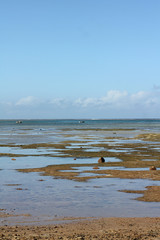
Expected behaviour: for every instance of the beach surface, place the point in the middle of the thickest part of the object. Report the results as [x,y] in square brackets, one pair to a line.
[103,228]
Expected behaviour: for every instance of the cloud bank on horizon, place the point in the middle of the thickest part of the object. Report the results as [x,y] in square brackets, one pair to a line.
[115,104]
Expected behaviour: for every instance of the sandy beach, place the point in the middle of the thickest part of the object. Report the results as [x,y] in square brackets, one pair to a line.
[104,228]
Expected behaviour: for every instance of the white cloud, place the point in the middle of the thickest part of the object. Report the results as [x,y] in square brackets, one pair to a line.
[139,96]
[121,99]
[30,100]
[58,101]
[146,99]
[3,103]
[156,87]
[86,102]
[114,97]
[111,98]
[114,104]
[123,104]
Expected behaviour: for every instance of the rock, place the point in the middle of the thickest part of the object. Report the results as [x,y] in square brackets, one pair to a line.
[101,160]
[95,167]
[152,168]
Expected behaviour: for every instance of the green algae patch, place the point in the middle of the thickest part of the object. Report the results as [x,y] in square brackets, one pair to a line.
[68,171]
[127,150]
[137,153]
[55,171]
[150,194]
[43,145]
[124,174]
[100,129]
[149,137]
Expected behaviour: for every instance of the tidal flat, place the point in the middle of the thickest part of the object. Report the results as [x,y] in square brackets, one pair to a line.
[47,175]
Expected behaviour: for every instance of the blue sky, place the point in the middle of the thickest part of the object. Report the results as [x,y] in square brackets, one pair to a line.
[79,59]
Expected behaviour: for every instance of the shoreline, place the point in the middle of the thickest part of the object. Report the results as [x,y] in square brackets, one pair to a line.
[102,228]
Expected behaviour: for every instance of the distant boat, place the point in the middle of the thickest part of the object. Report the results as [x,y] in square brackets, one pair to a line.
[18,122]
[82,121]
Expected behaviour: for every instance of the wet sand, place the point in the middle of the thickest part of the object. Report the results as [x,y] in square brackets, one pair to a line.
[104,228]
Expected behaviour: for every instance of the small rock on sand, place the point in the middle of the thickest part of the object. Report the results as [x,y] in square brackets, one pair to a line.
[152,168]
[101,160]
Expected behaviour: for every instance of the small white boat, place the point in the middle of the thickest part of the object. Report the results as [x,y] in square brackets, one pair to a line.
[18,122]
[82,121]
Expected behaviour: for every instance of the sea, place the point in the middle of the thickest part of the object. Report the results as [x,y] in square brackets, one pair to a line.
[153,124]
[33,198]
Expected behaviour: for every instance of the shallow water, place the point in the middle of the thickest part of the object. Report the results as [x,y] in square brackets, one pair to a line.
[45,197]
[98,197]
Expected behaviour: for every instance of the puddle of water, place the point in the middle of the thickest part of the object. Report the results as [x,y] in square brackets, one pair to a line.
[43,161]
[36,151]
[149,160]
[94,149]
[121,150]
[25,162]
[112,159]
[82,173]
[45,199]
[80,144]
[157,148]
[16,150]
[83,160]
[137,169]
[91,175]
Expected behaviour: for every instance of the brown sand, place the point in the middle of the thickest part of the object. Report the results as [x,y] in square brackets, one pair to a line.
[104,228]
